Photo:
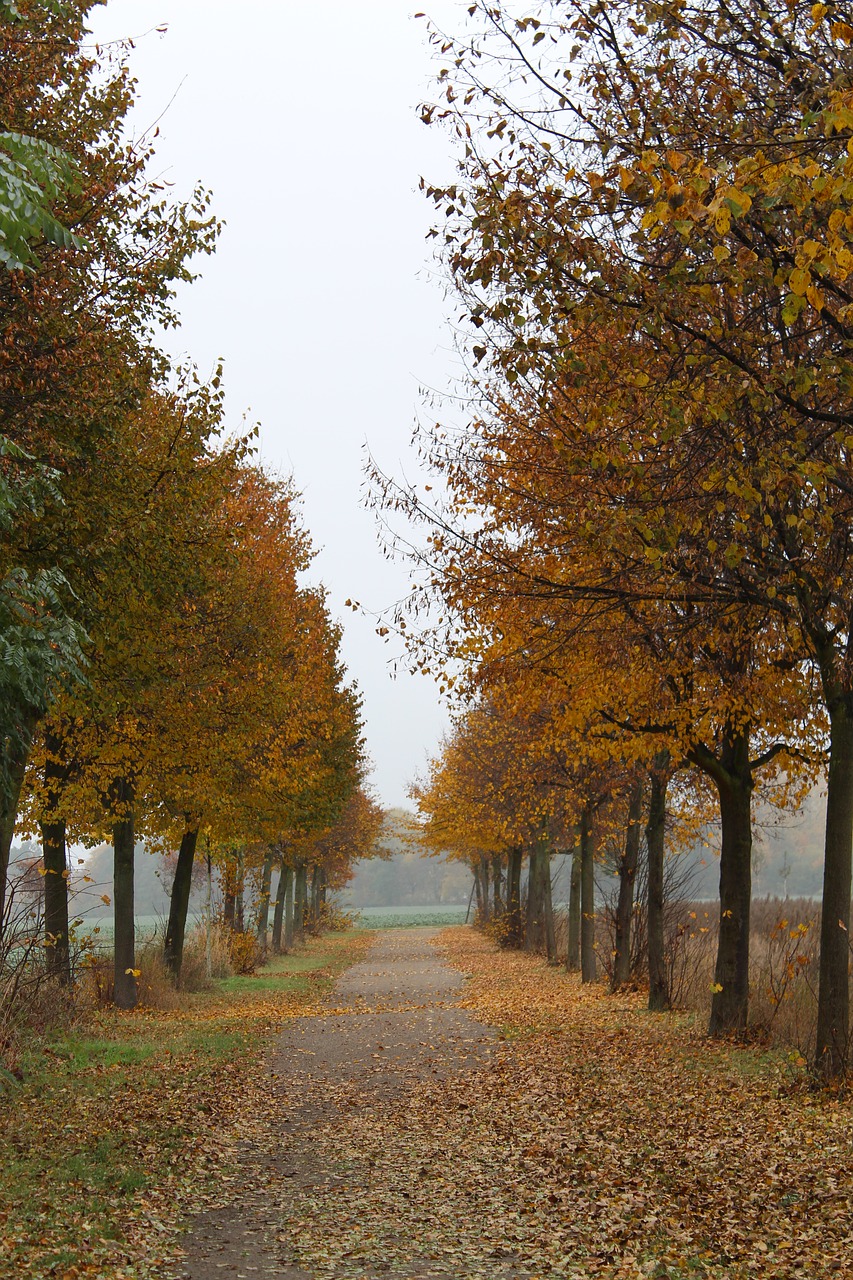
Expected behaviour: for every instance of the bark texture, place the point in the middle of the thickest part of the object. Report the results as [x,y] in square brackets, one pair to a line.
[573,946]
[832,1053]
[730,999]
[287,874]
[534,931]
[513,935]
[278,913]
[124,985]
[655,848]
[300,903]
[587,898]
[627,879]
[497,885]
[179,903]
[264,904]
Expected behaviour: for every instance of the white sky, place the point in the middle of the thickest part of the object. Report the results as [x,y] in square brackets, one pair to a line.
[301,119]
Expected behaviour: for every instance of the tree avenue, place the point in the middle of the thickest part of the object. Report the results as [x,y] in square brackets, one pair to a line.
[649,237]
[168,675]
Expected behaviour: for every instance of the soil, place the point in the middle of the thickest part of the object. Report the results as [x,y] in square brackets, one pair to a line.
[391,1032]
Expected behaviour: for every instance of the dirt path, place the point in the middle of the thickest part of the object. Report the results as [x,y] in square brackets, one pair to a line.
[318,1192]
[588,1139]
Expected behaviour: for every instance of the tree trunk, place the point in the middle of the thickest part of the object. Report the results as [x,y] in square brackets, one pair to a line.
[179,903]
[573,947]
[208,920]
[497,875]
[315,899]
[240,898]
[125,990]
[548,908]
[730,1000]
[264,904]
[300,895]
[9,798]
[655,847]
[833,1012]
[533,933]
[627,877]
[278,914]
[478,890]
[55,855]
[484,882]
[514,931]
[288,908]
[587,899]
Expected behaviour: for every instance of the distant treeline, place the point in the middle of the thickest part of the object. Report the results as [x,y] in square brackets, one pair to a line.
[407,879]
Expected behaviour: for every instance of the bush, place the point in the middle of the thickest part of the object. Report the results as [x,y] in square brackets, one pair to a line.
[243,951]
[203,963]
[337,919]
[31,998]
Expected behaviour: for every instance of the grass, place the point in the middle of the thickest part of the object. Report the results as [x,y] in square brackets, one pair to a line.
[408,917]
[81,1053]
[123,1117]
[283,973]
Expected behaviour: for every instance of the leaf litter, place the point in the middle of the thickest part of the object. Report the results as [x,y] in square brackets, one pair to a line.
[595,1139]
[598,1140]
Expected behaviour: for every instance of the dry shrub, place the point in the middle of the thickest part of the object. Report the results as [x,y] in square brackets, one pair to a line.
[337,919]
[207,956]
[243,952]
[32,1000]
[95,981]
[784,961]
[155,985]
[49,1006]
[784,956]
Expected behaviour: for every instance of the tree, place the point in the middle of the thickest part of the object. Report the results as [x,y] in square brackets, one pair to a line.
[76,357]
[621,234]
[103,737]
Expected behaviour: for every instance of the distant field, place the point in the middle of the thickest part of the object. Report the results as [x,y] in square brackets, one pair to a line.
[100,929]
[408,917]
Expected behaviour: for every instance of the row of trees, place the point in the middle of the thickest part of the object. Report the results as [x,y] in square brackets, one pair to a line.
[506,794]
[166,672]
[644,537]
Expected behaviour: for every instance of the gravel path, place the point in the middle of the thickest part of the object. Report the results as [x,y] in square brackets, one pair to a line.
[390,1034]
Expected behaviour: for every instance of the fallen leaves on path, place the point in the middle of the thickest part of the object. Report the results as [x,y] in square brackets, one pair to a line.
[132,1122]
[599,1140]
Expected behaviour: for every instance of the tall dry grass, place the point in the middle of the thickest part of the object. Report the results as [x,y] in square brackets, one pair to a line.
[784,960]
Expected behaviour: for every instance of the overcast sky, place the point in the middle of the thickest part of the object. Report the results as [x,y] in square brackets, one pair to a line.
[322,298]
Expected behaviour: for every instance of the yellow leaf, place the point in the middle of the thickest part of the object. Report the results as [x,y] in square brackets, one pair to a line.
[842,31]
[722,220]
[815,297]
[799,281]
